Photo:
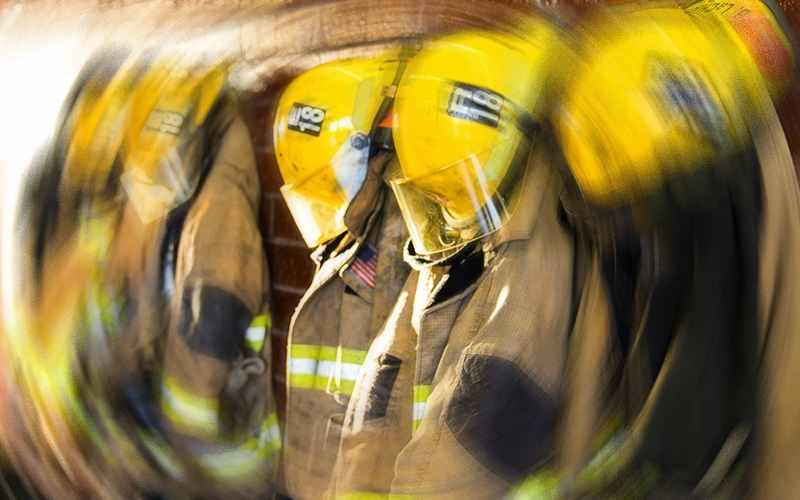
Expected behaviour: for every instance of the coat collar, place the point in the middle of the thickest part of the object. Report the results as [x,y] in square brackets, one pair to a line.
[544,179]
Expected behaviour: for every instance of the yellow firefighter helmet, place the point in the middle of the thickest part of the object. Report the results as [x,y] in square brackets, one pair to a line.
[142,122]
[322,144]
[465,115]
[660,92]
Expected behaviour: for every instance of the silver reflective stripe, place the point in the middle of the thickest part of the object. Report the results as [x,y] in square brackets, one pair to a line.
[336,370]
[188,410]
[302,366]
[255,334]
[419,410]
[230,458]
[271,434]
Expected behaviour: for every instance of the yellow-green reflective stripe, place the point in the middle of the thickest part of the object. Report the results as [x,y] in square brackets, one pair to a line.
[361,495]
[253,459]
[420,402]
[301,381]
[324,368]
[184,395]
[185,408]
[262,320]
[94,237]
[269,439]
[304,351]
[342,354]
[368,495]
[542,484]
[256,332]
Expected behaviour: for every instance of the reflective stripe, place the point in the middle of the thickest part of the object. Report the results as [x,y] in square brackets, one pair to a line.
[269,439]
[302,366]
[544,484]
[263,320]
[253,460]
[419,412]
[95,235]
[302,372]
[257,332]
[229,458]
[324,368]
[188,410]
[304,351]
[360,495]
[421,393]
[343,371]
[368,495]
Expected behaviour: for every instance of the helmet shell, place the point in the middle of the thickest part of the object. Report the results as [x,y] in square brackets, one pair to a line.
[465,115]
[321,138]
[659,92]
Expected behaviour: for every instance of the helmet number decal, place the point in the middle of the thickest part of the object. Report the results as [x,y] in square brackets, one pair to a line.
[474,103]
[168,122]
[306,119]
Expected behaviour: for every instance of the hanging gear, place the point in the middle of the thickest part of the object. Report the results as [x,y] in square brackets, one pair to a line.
[466,112]
[322,140]
[359,274]
[455,399]
[148,194]
[656,126]
[659,95]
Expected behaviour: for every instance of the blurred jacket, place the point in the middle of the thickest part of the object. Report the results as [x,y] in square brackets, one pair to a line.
[215,383]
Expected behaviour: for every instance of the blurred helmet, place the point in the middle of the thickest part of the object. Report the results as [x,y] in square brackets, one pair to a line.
[322,141]
[465,115]
[139,124]
[659,93]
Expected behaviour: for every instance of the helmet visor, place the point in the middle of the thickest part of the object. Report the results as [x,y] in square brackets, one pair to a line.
[318,202]
[462,202]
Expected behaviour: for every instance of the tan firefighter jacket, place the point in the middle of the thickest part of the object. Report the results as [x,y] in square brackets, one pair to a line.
[744,454]
[215,385]
[358,278]
[458,394]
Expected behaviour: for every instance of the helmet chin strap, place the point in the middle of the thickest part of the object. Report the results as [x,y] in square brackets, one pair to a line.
[445,258]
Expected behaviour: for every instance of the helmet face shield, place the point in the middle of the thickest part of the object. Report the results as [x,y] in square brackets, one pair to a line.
[465,115]
[163,147]
[318,203]
[461,202]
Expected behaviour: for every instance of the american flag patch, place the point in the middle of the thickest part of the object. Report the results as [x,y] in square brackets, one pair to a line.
[365,265]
